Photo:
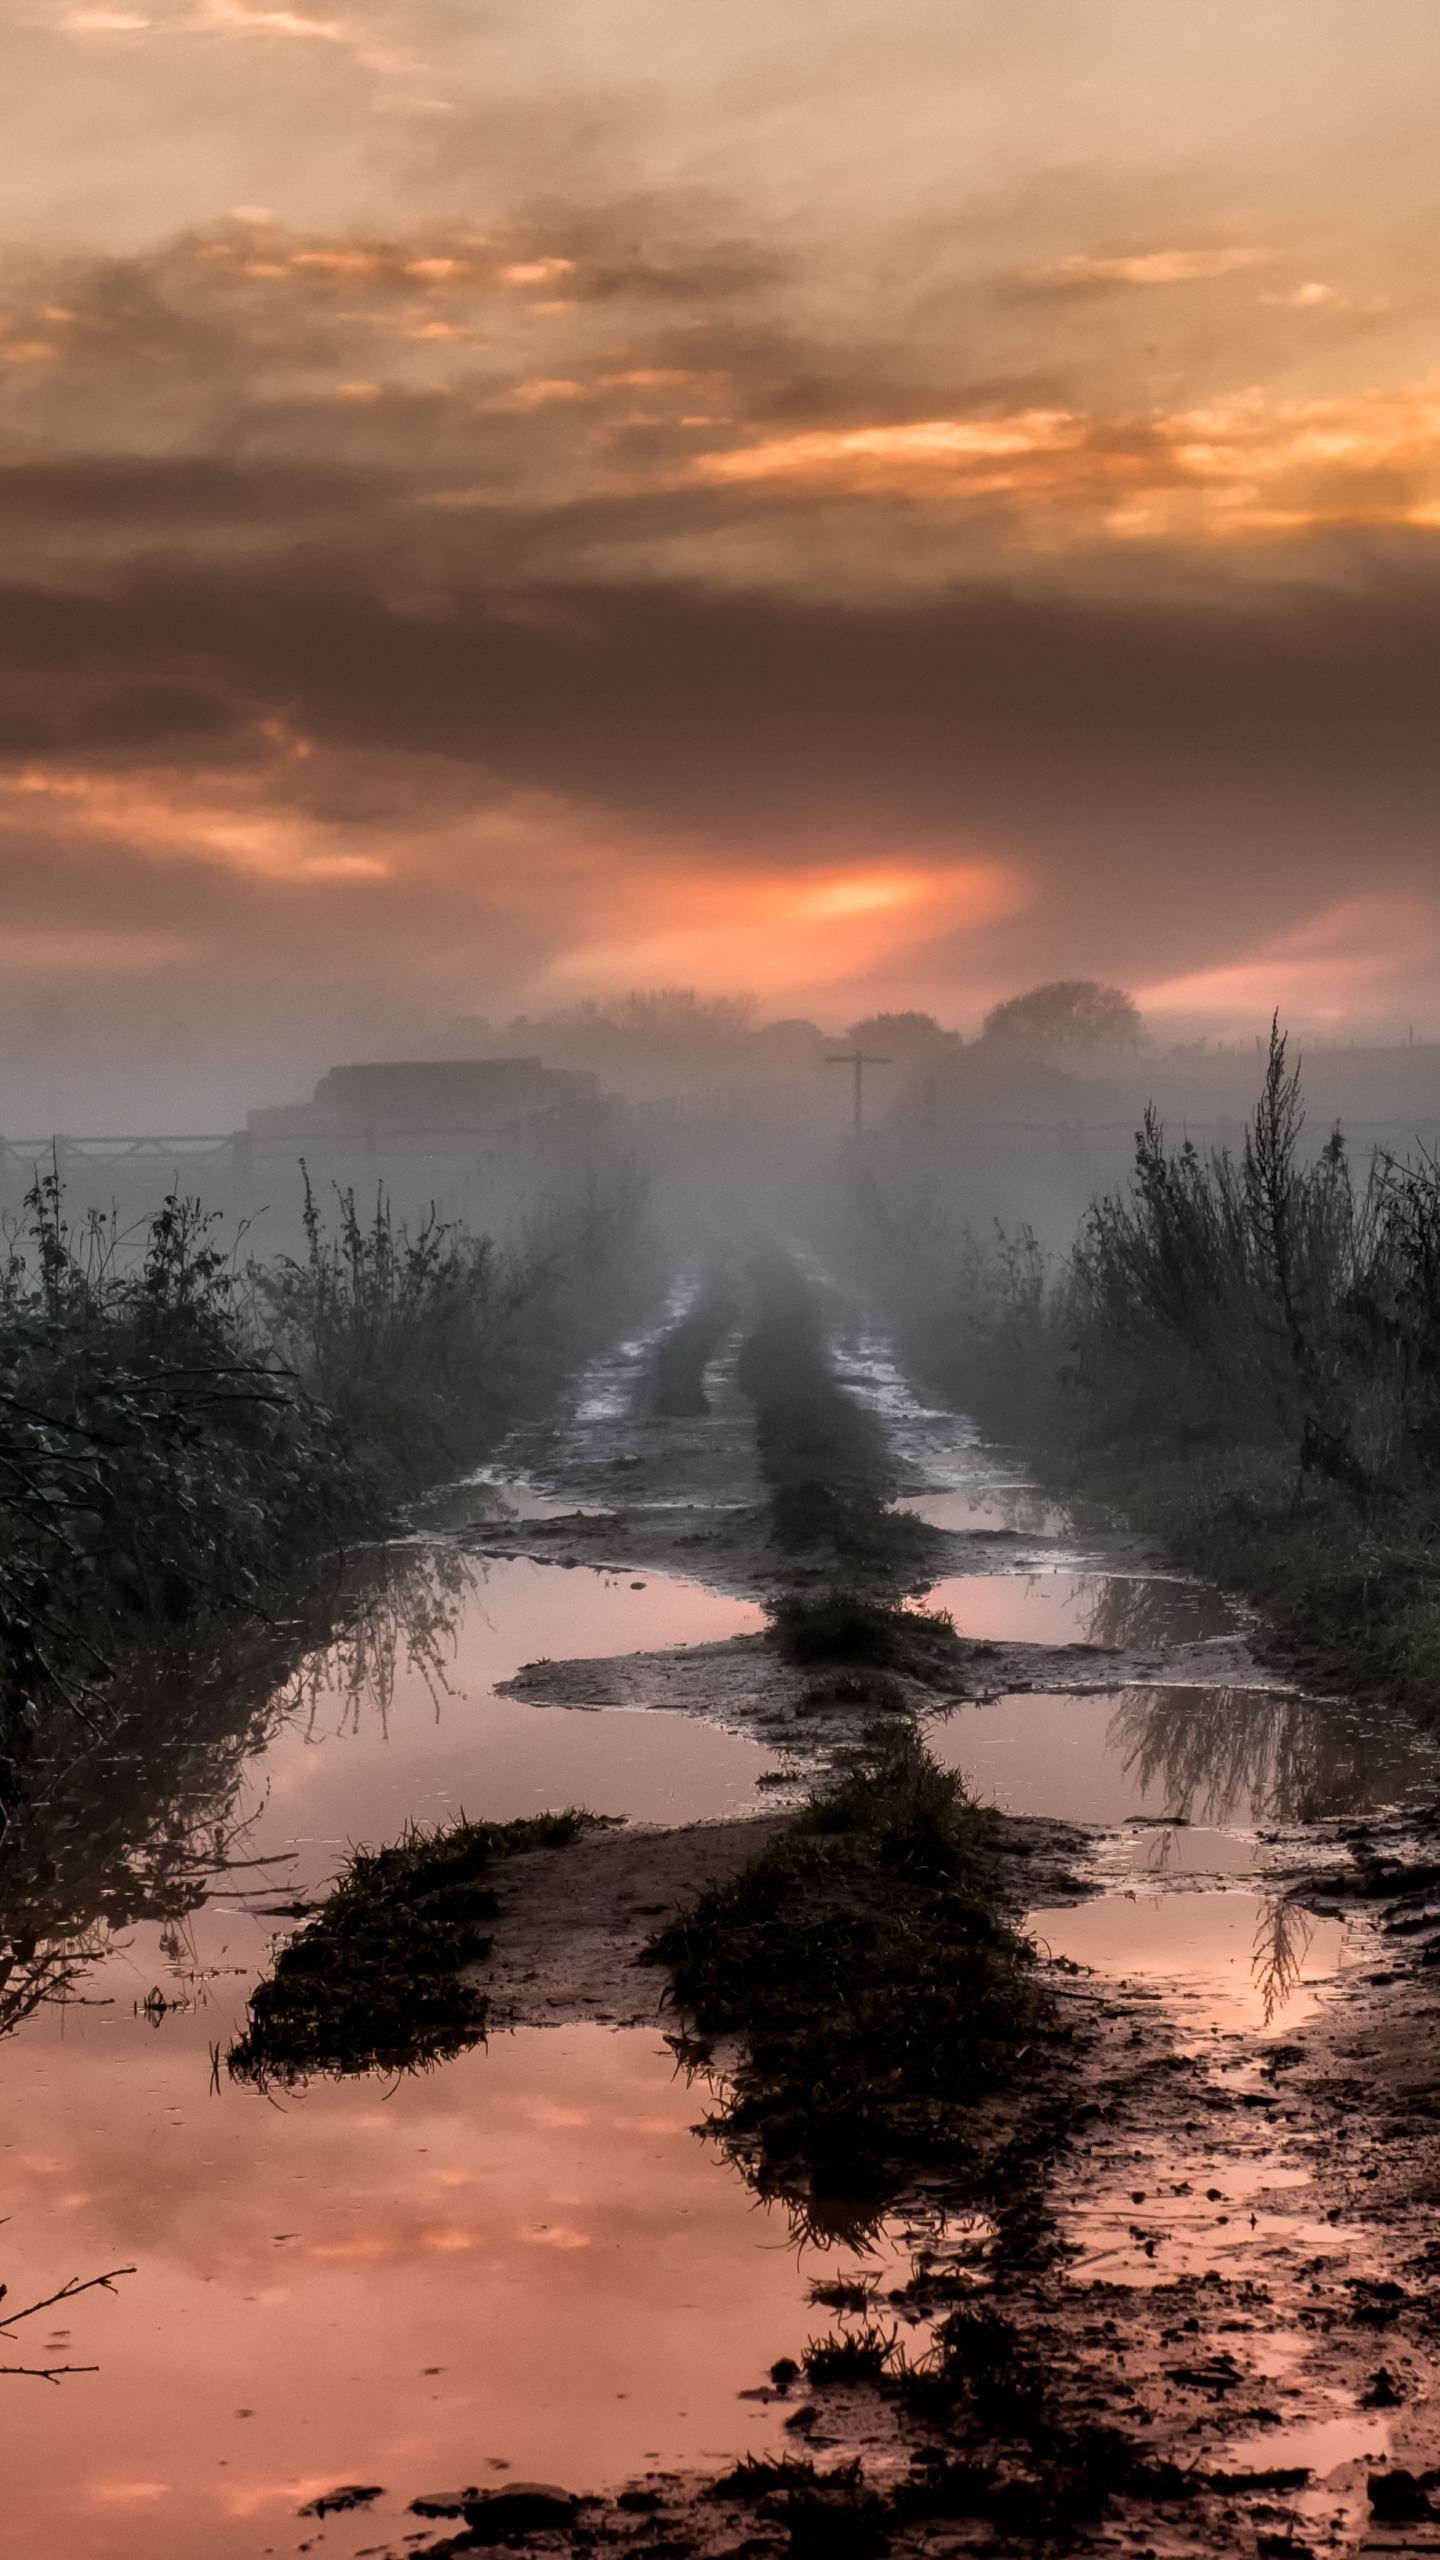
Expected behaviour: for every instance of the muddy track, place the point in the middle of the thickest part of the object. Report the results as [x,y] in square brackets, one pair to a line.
[1231,2232]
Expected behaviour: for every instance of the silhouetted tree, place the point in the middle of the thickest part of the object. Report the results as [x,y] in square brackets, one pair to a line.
[1069,1013]
[905,1037]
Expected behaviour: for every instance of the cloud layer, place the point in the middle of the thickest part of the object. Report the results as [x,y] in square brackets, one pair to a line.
[575,526]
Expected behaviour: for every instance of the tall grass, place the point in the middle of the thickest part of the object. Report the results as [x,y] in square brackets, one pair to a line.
[179,1436]
[823,1456]
[1245,1345]
[423,1345]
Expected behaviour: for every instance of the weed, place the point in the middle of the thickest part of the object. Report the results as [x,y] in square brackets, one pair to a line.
[823,1456]
[1244,1350]
[374,1983]
[846,1624]
[759,2476]
[184,1449]
[845,2294]
[865,2354]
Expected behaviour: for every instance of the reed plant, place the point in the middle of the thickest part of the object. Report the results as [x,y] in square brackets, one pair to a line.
[1242,1349]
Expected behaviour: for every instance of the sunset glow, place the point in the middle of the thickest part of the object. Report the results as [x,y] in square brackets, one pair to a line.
[442,545]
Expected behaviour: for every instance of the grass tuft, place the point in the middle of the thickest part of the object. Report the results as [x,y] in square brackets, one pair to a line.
[374,1983]
[862,1958]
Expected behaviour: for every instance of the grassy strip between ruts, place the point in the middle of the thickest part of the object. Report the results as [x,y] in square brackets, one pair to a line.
[685,1351]
[823,1456]
[863,1961]
[375,1983]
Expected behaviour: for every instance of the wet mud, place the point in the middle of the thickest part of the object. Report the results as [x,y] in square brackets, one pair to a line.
[1213,2325]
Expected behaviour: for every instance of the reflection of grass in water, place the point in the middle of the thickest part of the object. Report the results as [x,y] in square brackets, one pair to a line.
[374,1984]
[1257,1755]
[1282,1942]
[1140,1613]
[862,1958]
[404,1618]
[135,1827]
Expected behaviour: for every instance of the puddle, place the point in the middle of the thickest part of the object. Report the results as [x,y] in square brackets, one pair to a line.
[526,2259]
[1137,1612]
[1227,1960]
[406,1726]
[1208,1758]
[1008,1510]
[491,1496]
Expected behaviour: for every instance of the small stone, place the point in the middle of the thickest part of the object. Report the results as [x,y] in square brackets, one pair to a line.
[522,2506]
[443,2502]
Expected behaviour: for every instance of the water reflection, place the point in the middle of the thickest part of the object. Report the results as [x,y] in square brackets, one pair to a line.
[1262,1756]
[525,2263]
[1208,1758]
[1227,1960]
[376,1708]
[1129,1612]
[140,1824]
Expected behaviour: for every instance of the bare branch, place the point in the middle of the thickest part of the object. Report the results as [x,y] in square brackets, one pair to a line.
[67,2293]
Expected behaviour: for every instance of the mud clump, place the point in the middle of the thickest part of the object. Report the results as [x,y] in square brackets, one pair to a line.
[374,1984]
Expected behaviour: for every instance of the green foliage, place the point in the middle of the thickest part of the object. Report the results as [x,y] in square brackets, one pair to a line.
[374,1983]
[862,1958]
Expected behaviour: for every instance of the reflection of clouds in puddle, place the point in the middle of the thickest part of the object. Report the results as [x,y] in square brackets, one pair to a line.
[1319,2445]
[1230,1959]
[592,2304]
[599,2305]
[399,1721]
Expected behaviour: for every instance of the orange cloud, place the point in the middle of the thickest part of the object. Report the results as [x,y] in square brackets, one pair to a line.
[1364,959]
[787,936]
[1161,266]
[1244,466]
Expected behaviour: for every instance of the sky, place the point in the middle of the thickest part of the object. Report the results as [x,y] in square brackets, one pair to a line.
[875,503]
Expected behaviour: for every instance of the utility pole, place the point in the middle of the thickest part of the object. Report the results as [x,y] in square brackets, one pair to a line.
[857,1059]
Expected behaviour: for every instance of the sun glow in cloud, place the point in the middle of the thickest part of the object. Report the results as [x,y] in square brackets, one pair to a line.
[789,937]
[176,817]
[1244,466]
